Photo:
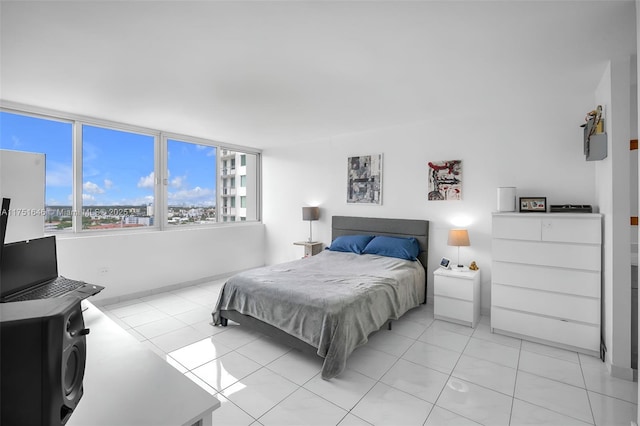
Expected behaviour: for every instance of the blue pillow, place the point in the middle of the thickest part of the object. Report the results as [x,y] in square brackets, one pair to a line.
[403,248]
[350,243]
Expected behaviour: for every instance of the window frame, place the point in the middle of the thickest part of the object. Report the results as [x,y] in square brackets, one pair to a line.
[79,178]
[160,167]
[46,116]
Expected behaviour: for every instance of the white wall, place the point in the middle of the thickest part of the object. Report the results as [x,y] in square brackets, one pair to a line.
[535,146]
[129,263]
[613,195]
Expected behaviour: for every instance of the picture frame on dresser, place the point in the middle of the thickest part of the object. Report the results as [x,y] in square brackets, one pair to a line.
[533,204]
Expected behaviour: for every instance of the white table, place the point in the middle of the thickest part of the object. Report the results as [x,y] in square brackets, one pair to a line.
[127,384]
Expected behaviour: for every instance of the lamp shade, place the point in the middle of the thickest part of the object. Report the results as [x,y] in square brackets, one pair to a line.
[458,237]
[310,213]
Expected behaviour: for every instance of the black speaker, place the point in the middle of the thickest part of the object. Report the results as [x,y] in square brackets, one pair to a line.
[43,354]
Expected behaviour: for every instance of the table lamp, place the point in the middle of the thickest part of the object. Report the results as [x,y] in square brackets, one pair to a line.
[458,238]
[310,214]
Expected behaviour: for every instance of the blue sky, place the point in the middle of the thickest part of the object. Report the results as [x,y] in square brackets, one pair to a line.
[118,166]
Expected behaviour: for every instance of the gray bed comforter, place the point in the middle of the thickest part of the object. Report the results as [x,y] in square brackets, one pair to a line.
[331,301]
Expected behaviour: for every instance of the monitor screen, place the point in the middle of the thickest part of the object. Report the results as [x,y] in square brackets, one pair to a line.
[27,263]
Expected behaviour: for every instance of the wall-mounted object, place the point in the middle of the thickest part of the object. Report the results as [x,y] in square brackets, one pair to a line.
[445,180]
[595,139]
[364,174]
[506,199]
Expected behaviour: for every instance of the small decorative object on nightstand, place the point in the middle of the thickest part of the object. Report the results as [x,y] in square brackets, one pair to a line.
[456,296]
[310,249]
[473,266]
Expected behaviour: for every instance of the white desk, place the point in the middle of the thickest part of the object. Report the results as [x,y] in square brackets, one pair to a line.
[127,384]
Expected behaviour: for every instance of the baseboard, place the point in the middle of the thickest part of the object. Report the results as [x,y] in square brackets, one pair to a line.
[145,293]
[625,373]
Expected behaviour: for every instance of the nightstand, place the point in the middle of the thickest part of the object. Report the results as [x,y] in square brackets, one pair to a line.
[310,248]
[456,296]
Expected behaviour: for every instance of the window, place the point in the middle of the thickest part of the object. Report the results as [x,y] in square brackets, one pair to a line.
[118,179]
[191,183]
[108,176]
[55,139]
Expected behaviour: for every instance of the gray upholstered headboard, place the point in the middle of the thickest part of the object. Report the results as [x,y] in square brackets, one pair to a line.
[349,225]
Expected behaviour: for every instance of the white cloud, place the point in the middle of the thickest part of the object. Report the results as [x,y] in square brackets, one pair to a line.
[195,196]
[108,184]
[92,188]
[147,181]
[178,181]
[88,197]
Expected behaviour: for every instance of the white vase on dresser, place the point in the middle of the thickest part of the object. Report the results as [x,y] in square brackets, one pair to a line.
[546,278]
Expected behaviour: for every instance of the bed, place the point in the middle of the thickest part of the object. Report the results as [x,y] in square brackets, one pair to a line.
[330,303]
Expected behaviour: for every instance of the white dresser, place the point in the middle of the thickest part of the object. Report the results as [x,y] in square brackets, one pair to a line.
[546,279]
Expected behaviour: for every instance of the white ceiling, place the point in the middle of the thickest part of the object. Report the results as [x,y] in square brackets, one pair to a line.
[266,73]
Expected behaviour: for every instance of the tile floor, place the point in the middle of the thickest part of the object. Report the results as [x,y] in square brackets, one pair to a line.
[423,372]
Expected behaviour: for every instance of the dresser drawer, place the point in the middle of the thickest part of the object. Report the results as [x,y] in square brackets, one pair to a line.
[572,230]
[562,306]
[517,228]
[583,336]
[585,229]
[575,256]
[453,308]
[458,288]
[560,280]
